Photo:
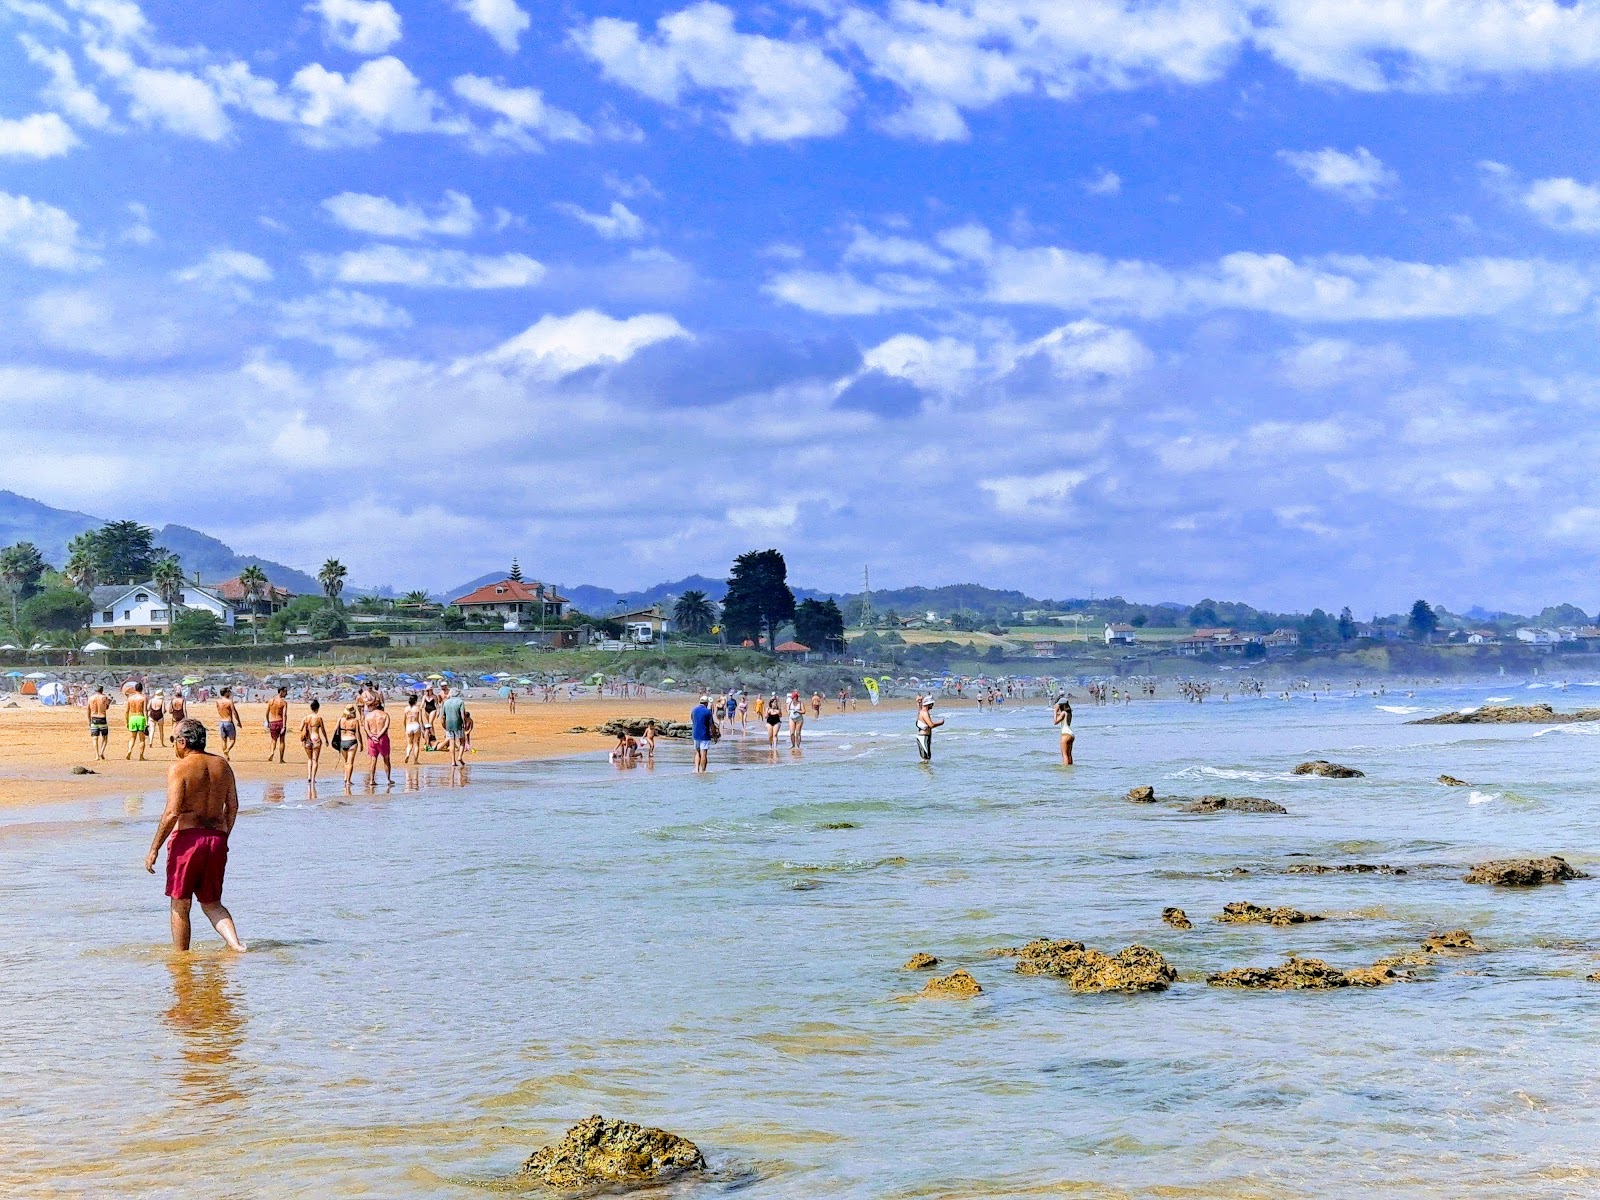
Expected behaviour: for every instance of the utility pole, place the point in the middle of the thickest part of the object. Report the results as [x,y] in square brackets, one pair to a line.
[866,597]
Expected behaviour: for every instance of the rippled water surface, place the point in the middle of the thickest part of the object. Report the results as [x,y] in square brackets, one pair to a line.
[443,980]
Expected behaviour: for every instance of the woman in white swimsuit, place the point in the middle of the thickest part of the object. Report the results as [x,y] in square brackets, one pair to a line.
[414,727]
[1062,720]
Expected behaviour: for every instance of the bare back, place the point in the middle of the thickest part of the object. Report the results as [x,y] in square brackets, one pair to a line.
[226,710]
[202,793]
[99,704]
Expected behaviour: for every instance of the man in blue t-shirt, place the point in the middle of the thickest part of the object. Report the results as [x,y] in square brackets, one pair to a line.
[700,718]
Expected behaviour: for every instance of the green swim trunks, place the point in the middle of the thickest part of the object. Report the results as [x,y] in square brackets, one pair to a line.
[138,724]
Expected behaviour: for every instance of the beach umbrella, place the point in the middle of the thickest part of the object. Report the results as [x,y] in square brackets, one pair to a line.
[95,647]
[37,675]
[449,674]
[525,682]
[488,679]
[7,646]
[669,681]
[505,691]
[502,674]
[436,678]
[190,680]
[13,674]
[52,694]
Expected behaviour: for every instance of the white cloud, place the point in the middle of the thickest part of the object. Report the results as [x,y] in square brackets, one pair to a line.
[228,271]
[174,100]
[1088,348]
[139,232]
[524,116]
[326,318]
[1564,204]
[1358,177]
[1046,494]
[64,91]
[619,224]
[42,235]
[839,294]
[382,217]
[1326,362]
[1301,437]
[379,96]
[301,444]
[1195,452]
[43,135]
[501,19]
[942,365]
[775,90]
[107,324]
[1104,183]
[560,345]
[894,252]
[410,267]
[364,26]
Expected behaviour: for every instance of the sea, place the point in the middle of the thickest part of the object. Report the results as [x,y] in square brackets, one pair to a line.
[444,978]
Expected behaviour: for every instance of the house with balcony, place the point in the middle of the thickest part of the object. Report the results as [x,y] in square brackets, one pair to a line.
[515,603]
[138,608]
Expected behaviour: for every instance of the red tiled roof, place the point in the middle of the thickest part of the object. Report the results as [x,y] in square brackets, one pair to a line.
[510,591]
[793,648]
[232,591]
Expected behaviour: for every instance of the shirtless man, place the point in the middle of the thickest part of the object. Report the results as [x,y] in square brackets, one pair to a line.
[202,805]
[227,721]
[375,722]
[278,723]
[99,721]
[138,721]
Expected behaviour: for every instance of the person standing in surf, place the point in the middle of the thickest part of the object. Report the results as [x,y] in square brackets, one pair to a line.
[925,727]
[1063,721]
[700,720]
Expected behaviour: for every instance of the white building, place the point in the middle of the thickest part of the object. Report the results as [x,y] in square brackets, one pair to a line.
[1121,635]
[139,608]
[1536,637]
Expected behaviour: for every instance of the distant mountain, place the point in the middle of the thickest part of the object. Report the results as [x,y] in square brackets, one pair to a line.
[945,600]
[203,556]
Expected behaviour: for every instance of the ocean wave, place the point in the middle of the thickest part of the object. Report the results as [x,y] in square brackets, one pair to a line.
[1400,709]
[1233,773]
[1496,699]
[1478,797]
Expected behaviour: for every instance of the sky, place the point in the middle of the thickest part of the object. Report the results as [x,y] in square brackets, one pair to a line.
[1286,301]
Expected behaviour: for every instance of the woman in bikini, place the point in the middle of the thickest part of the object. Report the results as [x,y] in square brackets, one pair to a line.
[349,743]
[313,735]
[413,715]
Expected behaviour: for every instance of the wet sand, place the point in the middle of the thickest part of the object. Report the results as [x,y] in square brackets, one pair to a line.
[39,746]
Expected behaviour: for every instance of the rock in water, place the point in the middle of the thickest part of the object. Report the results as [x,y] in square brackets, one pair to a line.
[1242,912]
[1511,714]
[1177,918]
[1595,978]
[1249,804]
[1328,770]
[1452,781]
[838,825]
[1296,974]
[1343,869]
[1524,872]
[958,985]
[601,1151]
[1141,795]
[1456,939]
[1134,969]
[920,961]
[1377,975]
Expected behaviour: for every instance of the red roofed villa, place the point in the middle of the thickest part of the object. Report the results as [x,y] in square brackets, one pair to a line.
[513,600]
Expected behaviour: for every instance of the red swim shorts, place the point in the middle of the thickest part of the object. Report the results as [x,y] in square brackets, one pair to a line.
[378,746]
[196,860]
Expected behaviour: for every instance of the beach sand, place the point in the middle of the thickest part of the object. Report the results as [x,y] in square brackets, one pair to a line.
[39,746]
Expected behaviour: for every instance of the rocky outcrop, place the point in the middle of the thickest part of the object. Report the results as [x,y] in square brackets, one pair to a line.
[598,1151]
[921,961]
[1595,978]
[1328,770]
[838,825]
[1456,939]
[1524,872]
[1343,869]
[634,727]
[1452,781]
[1511,714]
[1296,974]
[1247,804]
[1177,918]
[1134,969]
[958,985]
[1141,795]
[1377,975]
[1242,912]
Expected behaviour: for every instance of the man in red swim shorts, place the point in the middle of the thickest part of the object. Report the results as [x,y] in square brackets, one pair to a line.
[202,805]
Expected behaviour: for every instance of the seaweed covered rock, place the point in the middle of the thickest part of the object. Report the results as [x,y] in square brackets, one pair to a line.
[1177,918]
[1296,974]
[1141,795]
[1134,969]
[958,985]
[1456,939]
[921,961]
[1377,975]
[634,727]
[1242,912]
[1247,804]
[1511,714]
[598,1151]
[1524,872]
[1452,781]
[1328,770]
[1343,869]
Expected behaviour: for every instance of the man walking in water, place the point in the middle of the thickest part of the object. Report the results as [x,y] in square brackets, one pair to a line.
[700,719]
[455,706]
[227,721]
[202,805]
[278,723]
[138,721]
[100,721]
[925,727]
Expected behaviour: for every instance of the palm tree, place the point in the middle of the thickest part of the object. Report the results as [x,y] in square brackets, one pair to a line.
[168,580]
[256,587]
[80,570]
[20,566]
[694,614]
[415,599]
[331,577]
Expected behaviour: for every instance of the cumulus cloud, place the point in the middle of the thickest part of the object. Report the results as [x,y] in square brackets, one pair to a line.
[42,235]
[227,271]
[620,223]
[1564,204]
[1103,183]
[43,135]
[773,90]
[1358,177]
[1045,493]
[558,346]
[410,267]
[525,120]
[454,216]
[364,26]
[380,96]
[500,19]
[64,91]
[331,317]
[1328,362]
[163,97]
[1089,349]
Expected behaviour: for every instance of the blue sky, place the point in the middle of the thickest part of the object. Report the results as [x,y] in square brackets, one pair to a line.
[1286,302]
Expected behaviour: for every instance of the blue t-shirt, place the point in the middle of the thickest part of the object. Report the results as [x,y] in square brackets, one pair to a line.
[700,718]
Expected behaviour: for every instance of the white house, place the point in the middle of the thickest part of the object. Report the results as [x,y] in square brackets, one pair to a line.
[1535,637]
[1121,635]
[139,608]
[646,624]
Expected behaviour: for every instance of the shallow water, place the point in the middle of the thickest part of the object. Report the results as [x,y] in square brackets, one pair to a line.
[443,980]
